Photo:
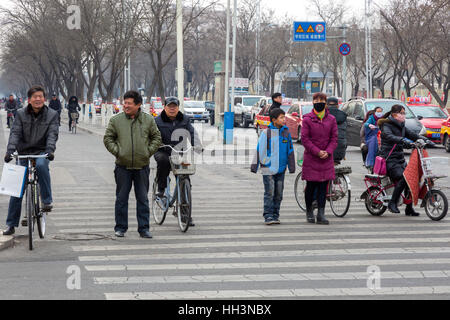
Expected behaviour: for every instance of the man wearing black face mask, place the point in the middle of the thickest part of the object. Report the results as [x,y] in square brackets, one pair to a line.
[341,119]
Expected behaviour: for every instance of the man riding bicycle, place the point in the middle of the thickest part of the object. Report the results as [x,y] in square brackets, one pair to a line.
[174,126]
[35,132]
[11,108]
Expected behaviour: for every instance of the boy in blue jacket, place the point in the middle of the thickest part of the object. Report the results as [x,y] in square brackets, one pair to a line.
[274,153]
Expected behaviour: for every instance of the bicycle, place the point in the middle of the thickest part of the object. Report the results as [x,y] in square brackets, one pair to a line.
[338,191]
[380,188]
[74,116]
[181,198]
[34,213]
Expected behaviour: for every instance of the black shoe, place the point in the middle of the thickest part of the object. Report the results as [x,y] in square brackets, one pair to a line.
[191,221]
[24,222]
[409,211]
[310,215]
[47,207]
[321,217]
[392,207]
[119,234]
[9,231]
[146,234]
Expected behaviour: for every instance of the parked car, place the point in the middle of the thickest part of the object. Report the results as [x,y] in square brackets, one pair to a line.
[210,106]
[431,116]
[196,110]
[357,108]
[263,120]
[445,134]
[257,107]
[243,109]
[294,118]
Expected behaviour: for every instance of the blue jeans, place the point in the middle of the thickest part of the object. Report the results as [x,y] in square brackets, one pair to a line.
[124,180]
[273,194]
[15,204]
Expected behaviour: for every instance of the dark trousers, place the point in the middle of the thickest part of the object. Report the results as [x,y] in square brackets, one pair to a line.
[316,191]
[273,195]
[15,204]
[125,178]
[70,121]
[162,169]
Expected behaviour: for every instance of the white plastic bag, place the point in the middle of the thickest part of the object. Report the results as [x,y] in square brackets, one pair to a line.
[13,180]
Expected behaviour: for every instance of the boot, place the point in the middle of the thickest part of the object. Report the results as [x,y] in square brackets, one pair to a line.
[310,215]
[321,217]
[392,205]
[409,211]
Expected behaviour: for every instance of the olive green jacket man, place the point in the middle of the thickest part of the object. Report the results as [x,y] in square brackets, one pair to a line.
[132,141]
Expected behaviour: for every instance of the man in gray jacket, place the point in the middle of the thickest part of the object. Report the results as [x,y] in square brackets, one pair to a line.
[35,132]
[10,107]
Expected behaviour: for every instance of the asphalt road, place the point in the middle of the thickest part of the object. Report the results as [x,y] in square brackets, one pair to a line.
[230,253]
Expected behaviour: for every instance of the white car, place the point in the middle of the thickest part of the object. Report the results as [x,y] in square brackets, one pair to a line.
[196,110]
[243,109]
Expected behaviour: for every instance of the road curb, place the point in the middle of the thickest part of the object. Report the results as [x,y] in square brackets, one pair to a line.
[6,242]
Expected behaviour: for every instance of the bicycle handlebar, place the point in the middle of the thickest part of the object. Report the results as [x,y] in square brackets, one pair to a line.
[32,156]
[180,151]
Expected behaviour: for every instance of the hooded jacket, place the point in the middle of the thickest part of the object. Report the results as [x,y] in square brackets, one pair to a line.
[274,152]
[341,120]
[73,106]
[274,105]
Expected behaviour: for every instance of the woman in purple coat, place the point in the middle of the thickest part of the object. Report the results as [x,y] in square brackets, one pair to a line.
[320,138]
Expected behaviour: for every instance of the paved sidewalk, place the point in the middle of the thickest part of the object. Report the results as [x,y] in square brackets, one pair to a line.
[6,241]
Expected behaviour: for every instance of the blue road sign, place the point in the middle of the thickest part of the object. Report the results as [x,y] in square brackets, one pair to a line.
[345,49]
[310,31]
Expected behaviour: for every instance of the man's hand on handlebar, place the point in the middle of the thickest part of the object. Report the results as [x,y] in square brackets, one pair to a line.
[8,157]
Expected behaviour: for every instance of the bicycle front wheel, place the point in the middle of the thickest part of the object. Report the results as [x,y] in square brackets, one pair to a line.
[30,217]
[184,207]
[299,191]
[158,206]
[436,205]
[40,216]
[339,195]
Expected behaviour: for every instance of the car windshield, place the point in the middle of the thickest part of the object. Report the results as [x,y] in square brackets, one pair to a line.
[250,101]
[307,109]
[429,112]
[193,104]
[387,105]
[158,105]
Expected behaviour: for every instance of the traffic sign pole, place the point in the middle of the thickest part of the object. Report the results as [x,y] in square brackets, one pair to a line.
[344,72]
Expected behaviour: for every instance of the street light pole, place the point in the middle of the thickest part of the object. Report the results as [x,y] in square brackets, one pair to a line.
[227,60]
[344,69]
[233,62]
[258,14]
[180,63]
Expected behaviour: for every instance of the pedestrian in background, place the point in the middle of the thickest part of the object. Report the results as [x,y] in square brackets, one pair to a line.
[132,137]
[55,104]
[341,120]
[277,100]
[371,136]
[274,153]
[320,139]
[73,107]
[10,107]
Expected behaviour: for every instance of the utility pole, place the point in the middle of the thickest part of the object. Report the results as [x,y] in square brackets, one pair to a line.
[227,60]
[233,62]
[344,69]
[368,49]
[258,14]
[180,63]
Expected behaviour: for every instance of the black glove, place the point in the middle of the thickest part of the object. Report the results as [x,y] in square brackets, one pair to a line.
[50,156]
[8,157]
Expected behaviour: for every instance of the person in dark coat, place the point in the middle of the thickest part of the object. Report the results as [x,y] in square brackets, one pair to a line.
[341,120]
[55,104]
[10,107]
[169,121]
[35,132]
[320,139]
[277,100]
[394,137]
[371,136]
[73,107]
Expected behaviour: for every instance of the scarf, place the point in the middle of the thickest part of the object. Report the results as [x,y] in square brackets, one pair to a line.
[319,115]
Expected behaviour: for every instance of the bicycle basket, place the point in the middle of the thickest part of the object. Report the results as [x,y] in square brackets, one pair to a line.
[74,115]
[181,165]
[432,165]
